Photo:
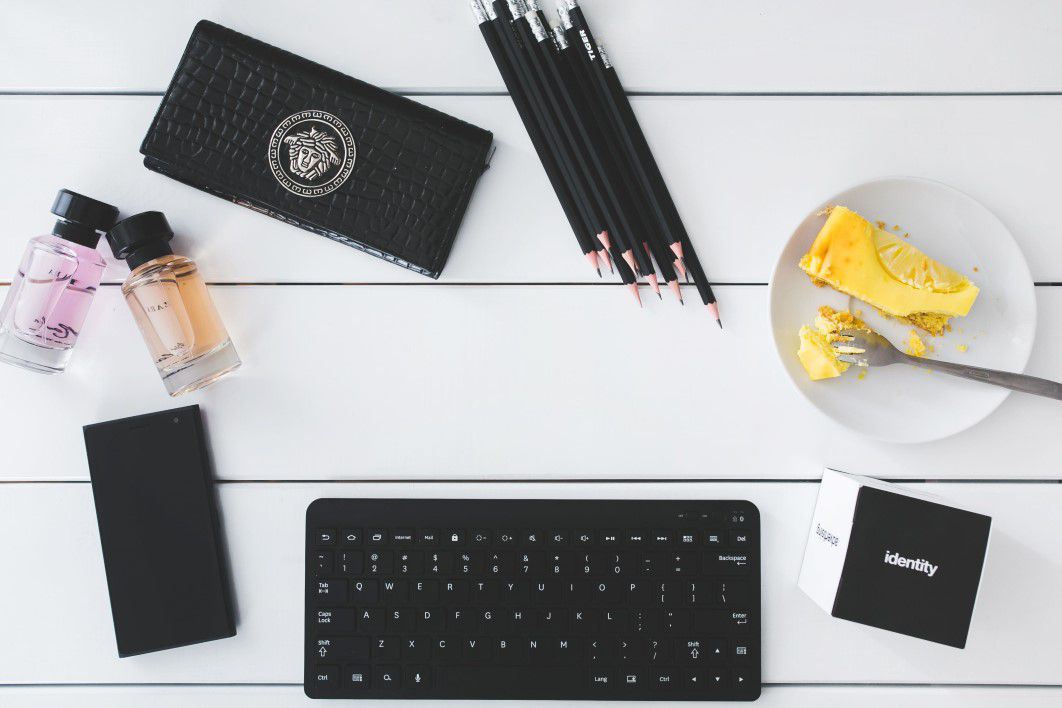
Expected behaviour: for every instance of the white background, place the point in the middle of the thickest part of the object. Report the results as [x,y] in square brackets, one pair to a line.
[519,364]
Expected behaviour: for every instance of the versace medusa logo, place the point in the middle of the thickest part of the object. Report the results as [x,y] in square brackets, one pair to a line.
[311,153]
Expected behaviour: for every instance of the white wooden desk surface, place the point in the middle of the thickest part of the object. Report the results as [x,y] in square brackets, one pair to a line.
[756,110]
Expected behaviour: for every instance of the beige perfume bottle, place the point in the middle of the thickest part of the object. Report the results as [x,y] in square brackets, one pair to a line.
[172,306]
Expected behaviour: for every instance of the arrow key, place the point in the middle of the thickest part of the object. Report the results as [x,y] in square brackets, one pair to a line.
[716,650]
[694,680]
[716,679]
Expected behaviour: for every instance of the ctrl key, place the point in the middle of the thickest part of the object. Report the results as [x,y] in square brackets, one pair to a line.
[356,678]
[325,678]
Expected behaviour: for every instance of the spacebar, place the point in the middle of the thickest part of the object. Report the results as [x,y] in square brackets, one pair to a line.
[509,681]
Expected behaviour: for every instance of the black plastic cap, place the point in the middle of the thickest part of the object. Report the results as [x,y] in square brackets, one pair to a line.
[71,206]
[141,238]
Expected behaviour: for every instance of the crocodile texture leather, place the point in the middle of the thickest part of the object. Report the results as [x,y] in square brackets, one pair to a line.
[413,174]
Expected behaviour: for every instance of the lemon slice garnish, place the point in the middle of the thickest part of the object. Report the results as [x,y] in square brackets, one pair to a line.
[909,265]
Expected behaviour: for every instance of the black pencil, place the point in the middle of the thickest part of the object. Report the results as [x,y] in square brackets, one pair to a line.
[582,229]
[559,95]
[648,170]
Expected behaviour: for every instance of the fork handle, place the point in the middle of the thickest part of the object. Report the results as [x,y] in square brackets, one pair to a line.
[1015,382]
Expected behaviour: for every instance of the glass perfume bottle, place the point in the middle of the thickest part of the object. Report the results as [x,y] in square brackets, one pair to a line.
[172,306]
[50,294]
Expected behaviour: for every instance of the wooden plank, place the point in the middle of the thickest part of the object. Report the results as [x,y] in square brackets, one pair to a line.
[680,45]
[290,696]
[744,172]
[498,383]
[57,625]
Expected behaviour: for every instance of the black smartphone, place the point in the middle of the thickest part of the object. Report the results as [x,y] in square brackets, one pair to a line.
[158,521]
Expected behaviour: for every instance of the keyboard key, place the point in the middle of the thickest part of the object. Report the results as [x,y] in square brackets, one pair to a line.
[513,593]
[692,652]
[558,537]
[480,537]
[696,592]
[742,652]
[343,649]
[326,592]
[584,537]
[568,650]
[637,538]
[439,563]
[453,592]
[684,563]
[663,538]
[351,537]
[693,680]
[455,537]
[484,592]
[387,677]
[381,563]
[325,677]
[687,538]
[425,592]
[726,562]
[377,537]
[602,680]
[428,537]
[446,650]
[716,649]
[410,563]
[365,592]
[402,536]
[386,648]
[370,620]
[323,562]
[476,650]
[553,620]
[638,592]
[740,678]
[400,620]
[658,650]
[394,592]
[417,677]
[509,650]
[416,649]
[716,679]
[664,679]
[740,538]
[337,620]
[431,620]
[505,538]
[351,563]
[325,537]
[632,679]
[713,538]
[729,593]
[356,678]
[610,538]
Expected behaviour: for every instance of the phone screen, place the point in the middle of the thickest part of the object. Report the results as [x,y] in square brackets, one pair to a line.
[155,505]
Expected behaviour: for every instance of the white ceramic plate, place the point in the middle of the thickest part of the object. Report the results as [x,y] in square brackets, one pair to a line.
[901,403]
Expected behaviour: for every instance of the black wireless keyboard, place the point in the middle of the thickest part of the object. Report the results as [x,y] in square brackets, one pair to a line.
[532,599]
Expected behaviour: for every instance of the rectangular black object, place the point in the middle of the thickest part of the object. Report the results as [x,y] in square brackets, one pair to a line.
[158,524]
[913,566]
[532,599]
[315,148]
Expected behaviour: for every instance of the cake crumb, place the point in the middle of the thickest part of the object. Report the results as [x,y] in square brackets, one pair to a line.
[907,235]
[896,227]
[862,375]
[963,347]
[881,225]
[915,345]
[976,269]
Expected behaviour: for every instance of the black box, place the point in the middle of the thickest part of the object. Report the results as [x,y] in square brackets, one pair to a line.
[316,149]
[892,558]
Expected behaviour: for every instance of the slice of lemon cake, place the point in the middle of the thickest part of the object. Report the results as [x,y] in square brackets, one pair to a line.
[860,259]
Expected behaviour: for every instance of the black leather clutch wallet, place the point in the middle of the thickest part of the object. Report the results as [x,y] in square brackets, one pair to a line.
[312,147]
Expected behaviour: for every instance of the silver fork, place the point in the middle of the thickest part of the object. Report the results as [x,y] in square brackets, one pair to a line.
[872,349]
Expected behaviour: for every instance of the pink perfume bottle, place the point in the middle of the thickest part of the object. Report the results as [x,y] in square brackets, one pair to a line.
[50,295]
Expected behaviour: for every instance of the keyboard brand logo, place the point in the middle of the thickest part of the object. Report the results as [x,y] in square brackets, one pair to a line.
[825,535]
[311,153]
[920,565]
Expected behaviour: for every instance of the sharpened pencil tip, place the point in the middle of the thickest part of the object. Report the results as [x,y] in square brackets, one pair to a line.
[633,287]
[720,323]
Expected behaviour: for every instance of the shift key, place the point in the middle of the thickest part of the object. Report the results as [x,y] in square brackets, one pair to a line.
[726,563]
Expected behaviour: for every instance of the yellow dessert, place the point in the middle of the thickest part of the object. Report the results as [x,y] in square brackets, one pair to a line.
[816,352]
[915,345]
[860,259]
